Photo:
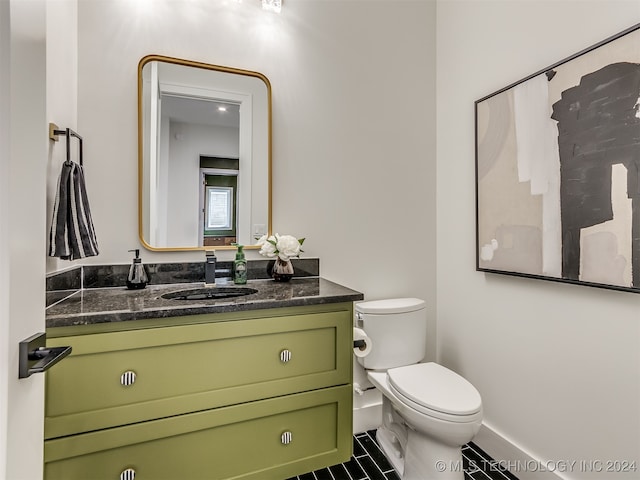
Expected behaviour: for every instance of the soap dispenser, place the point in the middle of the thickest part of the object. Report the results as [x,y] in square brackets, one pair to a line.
[138,277]
[240,267]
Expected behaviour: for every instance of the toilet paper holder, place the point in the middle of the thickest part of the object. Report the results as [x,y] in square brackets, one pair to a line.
[361,343]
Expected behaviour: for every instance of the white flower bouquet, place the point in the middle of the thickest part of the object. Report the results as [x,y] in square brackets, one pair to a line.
[282,246]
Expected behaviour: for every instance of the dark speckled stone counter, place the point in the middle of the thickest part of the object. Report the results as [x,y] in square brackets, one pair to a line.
[117,304]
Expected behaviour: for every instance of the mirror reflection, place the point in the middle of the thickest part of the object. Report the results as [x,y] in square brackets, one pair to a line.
[204,141]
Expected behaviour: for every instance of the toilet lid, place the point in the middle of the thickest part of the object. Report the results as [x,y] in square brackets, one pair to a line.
[436,387]
[391,305]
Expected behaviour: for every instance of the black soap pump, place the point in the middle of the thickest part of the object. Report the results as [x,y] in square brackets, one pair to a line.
[137,278]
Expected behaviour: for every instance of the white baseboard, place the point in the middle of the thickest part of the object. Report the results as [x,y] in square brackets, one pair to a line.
[516,460]
[367,411]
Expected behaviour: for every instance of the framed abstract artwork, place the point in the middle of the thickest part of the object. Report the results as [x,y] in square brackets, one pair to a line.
[558,170]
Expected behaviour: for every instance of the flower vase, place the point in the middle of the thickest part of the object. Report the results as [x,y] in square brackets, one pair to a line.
[282,270]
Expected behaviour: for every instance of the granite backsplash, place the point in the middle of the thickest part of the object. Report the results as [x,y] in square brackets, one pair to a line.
[61,284]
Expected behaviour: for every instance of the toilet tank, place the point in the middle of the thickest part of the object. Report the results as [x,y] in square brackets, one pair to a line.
[398,331]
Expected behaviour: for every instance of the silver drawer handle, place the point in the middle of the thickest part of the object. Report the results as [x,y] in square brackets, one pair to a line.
[285,356]
[286,438]
[128,474]
[128,378]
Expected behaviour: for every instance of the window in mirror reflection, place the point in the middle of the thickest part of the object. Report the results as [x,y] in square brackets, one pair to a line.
[219,216]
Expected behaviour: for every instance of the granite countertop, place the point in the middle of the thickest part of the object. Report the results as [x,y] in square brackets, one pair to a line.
[117,304]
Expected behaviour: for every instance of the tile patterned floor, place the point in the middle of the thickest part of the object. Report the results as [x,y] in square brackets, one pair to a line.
[369,463]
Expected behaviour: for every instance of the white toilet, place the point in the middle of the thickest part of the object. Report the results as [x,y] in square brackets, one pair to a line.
[428,411]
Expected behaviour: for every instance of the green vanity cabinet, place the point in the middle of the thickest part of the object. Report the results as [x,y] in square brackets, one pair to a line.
[262,394]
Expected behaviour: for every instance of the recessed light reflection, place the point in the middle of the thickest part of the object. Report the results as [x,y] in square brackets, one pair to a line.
[272,5]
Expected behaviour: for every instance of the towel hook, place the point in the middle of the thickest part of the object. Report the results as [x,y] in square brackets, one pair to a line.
[54,131]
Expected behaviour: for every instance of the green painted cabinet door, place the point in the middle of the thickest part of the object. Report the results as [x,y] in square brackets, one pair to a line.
[211,364]
[269,439]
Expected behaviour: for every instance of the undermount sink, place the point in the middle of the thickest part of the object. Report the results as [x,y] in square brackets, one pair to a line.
[209,293]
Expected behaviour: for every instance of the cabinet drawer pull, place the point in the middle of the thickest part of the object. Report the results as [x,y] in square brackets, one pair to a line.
[286,438]
[128,474]
[285,356]
[128,378]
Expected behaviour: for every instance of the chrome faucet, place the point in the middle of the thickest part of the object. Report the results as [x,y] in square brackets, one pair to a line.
[210,268]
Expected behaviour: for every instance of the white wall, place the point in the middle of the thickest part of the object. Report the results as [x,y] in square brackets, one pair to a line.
[62,96]
[5,253]
[353,125]
[557,365]
[23,217]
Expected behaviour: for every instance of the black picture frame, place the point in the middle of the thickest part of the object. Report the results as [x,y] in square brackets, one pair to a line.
[557,170]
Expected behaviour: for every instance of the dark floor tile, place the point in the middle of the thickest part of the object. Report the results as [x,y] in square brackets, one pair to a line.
[473,461]
[478,475]
[323,474]
[392,475]
[339,472]
[358,450]
[307,476]
[373,471]
[355,470]
[492,469]
[368,442]
[376,454]
[465,463]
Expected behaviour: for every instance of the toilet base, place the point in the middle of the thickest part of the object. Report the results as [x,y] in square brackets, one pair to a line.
[422,458]
[392,450]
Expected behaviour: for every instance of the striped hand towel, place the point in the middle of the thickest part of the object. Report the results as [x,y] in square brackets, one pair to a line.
[72,235]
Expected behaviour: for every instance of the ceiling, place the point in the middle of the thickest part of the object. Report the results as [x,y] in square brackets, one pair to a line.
[200,111]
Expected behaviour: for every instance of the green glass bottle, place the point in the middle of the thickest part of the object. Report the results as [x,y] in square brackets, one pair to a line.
[240,267]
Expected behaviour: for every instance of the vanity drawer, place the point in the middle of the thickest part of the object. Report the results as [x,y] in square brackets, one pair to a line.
[125,377]
[247,441]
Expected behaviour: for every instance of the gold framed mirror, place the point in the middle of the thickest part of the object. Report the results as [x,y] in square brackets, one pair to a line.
[204,155]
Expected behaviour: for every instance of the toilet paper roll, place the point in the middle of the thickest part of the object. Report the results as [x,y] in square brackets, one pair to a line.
[359,334]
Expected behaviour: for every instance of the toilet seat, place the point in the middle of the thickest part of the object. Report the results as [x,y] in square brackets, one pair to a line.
[436,391]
